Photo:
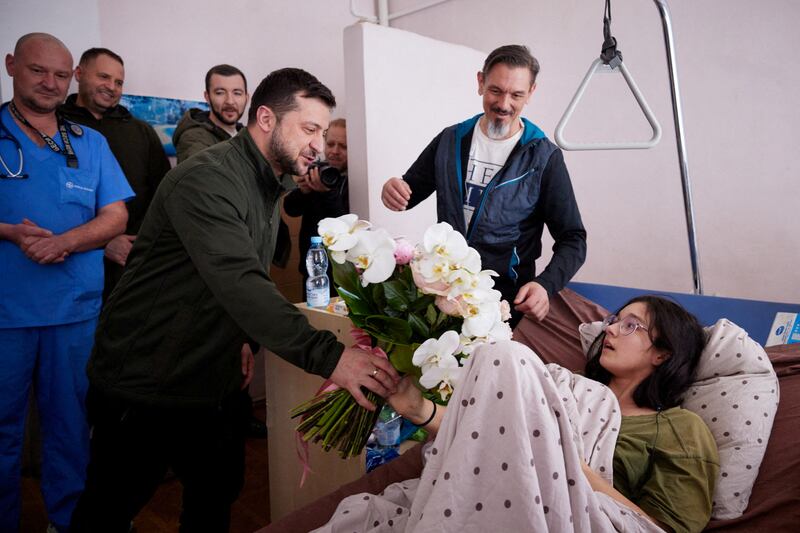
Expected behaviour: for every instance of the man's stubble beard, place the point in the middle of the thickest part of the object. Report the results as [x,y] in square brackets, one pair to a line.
[280,154]
[222,119]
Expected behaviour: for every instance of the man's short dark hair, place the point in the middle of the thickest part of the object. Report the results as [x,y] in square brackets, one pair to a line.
[513,55]
[92,53]
[224,70]
[278,90]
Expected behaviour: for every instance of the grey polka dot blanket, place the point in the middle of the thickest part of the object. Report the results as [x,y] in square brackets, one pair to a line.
[507,457]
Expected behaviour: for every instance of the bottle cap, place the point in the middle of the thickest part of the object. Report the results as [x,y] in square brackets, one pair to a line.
[316,239]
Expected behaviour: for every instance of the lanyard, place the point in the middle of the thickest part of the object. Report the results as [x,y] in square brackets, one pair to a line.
[69,153]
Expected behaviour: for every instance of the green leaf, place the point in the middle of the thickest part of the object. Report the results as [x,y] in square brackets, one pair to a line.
[419,326]
[345,275]
[420,302]
[431,314]
[389,328]
[400,355]
[396,295]
[355,304]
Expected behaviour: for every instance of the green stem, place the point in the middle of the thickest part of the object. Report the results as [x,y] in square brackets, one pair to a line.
[341,424]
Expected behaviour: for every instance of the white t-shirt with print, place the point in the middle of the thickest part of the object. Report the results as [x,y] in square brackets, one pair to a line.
[486,157]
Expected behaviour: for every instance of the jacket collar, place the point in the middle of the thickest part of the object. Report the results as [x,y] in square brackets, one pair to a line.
[245,144]
[70,106]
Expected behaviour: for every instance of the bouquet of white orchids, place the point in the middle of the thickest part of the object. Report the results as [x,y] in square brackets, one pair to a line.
[425,307]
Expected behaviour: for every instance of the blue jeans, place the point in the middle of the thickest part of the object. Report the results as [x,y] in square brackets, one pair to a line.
[53,360]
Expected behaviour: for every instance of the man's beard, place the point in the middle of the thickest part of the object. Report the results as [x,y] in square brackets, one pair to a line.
[281,156]
[224,120]
[497,129]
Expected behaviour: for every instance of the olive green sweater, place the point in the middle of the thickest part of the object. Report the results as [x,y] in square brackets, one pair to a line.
[197,286]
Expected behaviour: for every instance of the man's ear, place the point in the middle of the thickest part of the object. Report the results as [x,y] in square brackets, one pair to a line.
[480,83]
[533,88]
[205,97]
[10,65]
[78,73]
[266,120]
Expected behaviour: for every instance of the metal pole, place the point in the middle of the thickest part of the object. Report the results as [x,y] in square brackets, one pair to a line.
[678,116]
[383,12]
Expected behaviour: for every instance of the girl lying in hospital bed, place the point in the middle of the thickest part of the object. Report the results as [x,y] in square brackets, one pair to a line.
[525,446]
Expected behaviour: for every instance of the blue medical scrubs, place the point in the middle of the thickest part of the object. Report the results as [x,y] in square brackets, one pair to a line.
[48,313]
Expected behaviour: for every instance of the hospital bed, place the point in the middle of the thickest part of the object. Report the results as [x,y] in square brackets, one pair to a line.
[775,501]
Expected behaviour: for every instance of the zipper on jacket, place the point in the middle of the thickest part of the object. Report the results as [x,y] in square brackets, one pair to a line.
[515,179]
[491,186]
[512,265]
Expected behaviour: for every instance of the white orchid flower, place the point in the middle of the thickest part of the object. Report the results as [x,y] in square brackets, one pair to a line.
[467,345]
[447,378]
[373,254]
[480,319]
[340,234]
[448,370]
[501,331]
[471,261]
[461,281]
[441,239]
[432,351]
[434,268]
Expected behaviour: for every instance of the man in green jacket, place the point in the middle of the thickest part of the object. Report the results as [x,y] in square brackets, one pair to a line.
[226,95]
[166,370]
[135,144]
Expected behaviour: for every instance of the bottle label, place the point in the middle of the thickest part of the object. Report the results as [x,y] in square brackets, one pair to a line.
[318,298]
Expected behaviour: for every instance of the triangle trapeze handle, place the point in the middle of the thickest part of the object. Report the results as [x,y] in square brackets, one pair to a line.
[631,145]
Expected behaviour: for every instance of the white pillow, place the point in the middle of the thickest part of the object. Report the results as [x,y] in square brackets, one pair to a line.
[736,394]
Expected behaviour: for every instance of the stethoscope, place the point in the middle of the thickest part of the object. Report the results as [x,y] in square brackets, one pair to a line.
[67,151]
[5,134]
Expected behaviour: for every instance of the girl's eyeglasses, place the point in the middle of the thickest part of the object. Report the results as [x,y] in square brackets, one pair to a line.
[627,325]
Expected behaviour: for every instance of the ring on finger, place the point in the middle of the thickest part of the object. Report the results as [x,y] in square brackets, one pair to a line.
[375,372]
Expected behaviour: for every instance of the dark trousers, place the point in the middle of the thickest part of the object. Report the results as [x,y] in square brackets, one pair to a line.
[133,446]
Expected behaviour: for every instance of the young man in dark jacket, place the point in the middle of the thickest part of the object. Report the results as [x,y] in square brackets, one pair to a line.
[166,370]
[135,144]
[499,181]
[226,95]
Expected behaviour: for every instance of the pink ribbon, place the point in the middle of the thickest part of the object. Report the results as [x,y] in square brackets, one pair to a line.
[363,342]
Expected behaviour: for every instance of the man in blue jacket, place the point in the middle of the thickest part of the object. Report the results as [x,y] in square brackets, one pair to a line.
[499,181]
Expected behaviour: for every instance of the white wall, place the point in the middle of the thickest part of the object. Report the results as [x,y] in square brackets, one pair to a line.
[738,70]
[19,17]
[393,93]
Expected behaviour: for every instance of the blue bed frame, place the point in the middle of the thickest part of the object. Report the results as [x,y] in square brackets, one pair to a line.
[754,316]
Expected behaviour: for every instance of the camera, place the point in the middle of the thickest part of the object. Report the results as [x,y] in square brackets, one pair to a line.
[328,175]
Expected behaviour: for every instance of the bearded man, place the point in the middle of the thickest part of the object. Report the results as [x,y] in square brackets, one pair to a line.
[499,181]
[166,371]
[226,95]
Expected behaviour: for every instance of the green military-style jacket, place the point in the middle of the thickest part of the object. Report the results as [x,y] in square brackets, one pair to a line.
[197,285]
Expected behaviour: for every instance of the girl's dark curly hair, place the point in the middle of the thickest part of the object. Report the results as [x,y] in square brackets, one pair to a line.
[673,330]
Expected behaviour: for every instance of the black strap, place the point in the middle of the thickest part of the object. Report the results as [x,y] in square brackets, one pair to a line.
[430,419]
[609,53]
[69,153]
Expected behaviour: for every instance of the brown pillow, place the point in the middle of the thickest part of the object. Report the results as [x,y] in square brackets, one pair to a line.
[556,339]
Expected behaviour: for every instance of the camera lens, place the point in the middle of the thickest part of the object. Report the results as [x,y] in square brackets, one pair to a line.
[330,176]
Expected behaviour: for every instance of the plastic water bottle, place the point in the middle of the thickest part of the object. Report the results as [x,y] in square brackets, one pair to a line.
[317,285]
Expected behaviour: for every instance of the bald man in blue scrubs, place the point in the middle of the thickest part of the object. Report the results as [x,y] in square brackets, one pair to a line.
[62,197]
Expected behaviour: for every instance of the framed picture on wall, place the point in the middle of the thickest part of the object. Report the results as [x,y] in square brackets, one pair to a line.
[161,113]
